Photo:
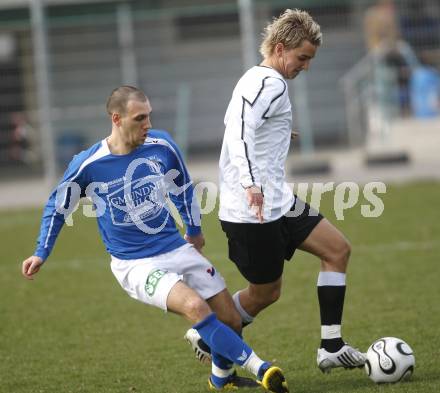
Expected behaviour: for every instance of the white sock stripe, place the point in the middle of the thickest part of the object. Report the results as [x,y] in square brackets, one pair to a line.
[331,278]
[330,331]
[244,315]
[220,373]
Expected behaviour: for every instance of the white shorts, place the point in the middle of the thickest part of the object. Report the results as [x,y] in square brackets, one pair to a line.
[150,280]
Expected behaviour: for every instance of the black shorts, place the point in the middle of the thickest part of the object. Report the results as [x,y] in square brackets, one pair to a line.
[259,250]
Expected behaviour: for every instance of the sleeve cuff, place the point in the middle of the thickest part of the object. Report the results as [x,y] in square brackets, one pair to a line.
[43,254]
[247,183]
[193,230]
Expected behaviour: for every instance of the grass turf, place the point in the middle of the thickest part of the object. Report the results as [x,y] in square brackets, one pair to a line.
[73,329]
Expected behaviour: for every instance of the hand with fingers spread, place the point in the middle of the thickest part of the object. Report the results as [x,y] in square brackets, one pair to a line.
[31,266]
[255,200]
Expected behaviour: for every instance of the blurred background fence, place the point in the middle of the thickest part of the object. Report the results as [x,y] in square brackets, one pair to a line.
[60,59]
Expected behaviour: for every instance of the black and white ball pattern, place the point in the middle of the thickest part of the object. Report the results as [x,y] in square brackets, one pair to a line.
[389,359]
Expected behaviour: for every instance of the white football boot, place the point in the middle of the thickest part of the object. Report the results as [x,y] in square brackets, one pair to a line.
[201,349]
[346,357]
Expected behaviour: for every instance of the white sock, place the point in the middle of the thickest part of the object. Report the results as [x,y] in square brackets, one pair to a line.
[246,318]
[331,278]
[253,364]
[219,372]
[329,332]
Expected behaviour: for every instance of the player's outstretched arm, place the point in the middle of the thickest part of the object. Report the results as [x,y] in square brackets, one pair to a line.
[31,266]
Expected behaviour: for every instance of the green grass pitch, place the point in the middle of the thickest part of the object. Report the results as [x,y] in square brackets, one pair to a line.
[73,329]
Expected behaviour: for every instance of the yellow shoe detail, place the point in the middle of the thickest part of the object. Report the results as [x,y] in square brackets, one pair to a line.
[274,381]
[228,387]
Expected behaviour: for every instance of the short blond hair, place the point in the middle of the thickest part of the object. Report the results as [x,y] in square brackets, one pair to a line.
[291,28]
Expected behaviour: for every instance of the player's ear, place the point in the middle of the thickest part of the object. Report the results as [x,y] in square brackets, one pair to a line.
[279,49]
[116,119]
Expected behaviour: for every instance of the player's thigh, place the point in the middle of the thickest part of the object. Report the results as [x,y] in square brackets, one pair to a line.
[199,273]
[325,241]
[185,301]
[256,249]
[297,225]
[145,280]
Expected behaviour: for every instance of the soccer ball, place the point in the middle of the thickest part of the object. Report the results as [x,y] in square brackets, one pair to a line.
[389,359]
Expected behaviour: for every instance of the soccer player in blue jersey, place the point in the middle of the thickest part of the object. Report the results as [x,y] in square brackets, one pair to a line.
[130,176]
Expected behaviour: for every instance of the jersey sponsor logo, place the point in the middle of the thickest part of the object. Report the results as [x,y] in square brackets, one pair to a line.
[144,201]
[153,280]
[139,200]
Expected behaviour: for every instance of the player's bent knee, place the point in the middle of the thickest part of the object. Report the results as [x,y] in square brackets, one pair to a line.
[274,295]
[345,251]
[196,309]
[340,256]
[267,297]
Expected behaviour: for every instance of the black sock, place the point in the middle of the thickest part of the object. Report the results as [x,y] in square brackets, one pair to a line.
[331,304]
[333,344]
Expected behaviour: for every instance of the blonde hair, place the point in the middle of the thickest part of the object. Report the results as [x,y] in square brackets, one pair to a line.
[119,97]
[291,28]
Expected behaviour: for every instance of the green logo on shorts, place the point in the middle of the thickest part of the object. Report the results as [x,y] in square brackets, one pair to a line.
[152,281]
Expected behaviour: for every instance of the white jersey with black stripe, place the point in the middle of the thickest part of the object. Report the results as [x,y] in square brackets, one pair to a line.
[258,125]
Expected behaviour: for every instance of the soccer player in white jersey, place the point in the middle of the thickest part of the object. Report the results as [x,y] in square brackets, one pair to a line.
[129,176]
[261,217]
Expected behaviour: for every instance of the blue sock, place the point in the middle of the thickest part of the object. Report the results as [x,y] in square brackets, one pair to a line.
[223,340]
[221,370]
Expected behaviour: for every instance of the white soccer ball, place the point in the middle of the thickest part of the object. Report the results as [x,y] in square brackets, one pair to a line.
[389,359]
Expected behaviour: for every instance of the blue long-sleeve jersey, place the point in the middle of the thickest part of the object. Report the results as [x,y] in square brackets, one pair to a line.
[130,194]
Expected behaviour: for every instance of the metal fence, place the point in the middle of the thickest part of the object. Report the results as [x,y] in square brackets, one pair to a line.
[57,68]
